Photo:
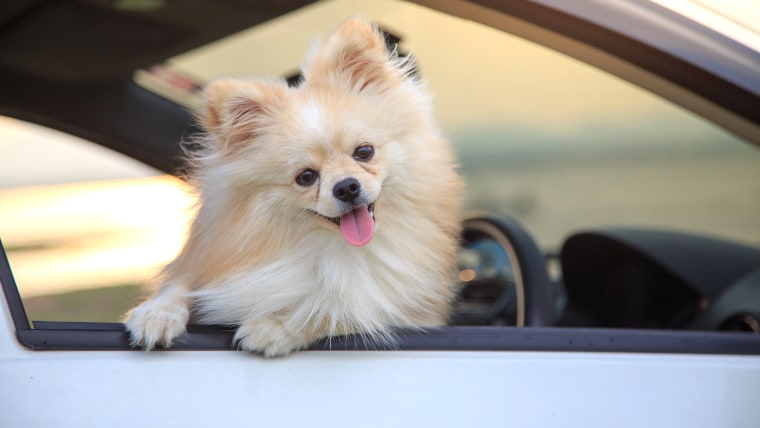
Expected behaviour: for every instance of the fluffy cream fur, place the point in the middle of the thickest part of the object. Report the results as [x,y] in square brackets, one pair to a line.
[262,253]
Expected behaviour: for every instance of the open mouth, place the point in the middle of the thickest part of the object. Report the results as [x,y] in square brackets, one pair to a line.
[370,208]
[357,226]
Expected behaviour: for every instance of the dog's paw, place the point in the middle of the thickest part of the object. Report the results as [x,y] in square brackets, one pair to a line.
[157,321]
[267,337]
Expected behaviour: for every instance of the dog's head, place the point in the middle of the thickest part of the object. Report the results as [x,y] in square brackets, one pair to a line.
[330,148]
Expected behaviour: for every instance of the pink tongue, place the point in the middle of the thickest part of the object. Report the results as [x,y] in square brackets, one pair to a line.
[357,226]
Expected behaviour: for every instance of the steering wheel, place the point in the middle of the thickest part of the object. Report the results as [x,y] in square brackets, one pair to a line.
[507,247]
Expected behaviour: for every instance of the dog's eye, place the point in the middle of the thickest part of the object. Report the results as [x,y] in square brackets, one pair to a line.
[307,177]
[364,152]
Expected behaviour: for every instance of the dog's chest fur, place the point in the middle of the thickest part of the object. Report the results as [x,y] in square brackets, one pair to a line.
[326,286]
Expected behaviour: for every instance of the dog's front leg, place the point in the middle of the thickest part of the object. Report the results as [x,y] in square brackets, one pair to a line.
[160,319]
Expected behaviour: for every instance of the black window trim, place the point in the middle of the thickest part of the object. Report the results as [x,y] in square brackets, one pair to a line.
[93,336]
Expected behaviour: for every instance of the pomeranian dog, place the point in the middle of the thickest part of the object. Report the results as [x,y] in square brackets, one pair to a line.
[327,209]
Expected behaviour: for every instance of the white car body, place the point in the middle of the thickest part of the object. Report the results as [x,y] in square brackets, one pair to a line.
[373,388]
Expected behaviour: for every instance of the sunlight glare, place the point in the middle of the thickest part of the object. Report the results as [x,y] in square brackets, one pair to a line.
[81,235]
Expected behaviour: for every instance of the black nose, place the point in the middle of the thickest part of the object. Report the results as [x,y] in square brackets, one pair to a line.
[347,190]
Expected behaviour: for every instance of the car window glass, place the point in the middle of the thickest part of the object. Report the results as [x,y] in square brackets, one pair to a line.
[83,226]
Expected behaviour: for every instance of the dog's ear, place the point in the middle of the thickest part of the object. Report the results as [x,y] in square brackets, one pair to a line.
[235,109]
[355,54]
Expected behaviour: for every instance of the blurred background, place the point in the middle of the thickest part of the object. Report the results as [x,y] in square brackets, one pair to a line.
[542,137]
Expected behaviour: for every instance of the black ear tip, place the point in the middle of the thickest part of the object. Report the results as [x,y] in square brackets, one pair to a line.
[392,46]
[295,80]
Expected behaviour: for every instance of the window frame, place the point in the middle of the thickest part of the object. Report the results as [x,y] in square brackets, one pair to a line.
[93,336]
